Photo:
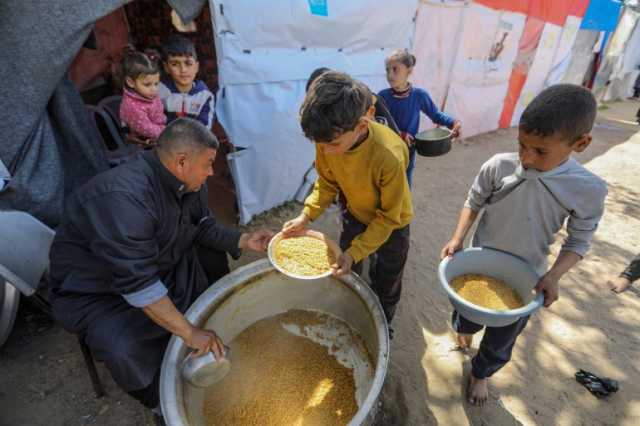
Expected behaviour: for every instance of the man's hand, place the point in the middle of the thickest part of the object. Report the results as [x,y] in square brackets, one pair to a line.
[343,265]
[256,241]
[136,140]
[295,225]
[619,284]
[457,130]
[454,245]
[204,341]
[548,285]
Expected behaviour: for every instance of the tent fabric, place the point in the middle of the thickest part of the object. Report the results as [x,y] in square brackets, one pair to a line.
[601,15]
[187,10]
[540,68]
[266,52]
[479,83]
[562,56]
[622,58]
[545,53]
[438,26]
[581,57]
[47,143]
[111,37]
[518,6]
[528,45]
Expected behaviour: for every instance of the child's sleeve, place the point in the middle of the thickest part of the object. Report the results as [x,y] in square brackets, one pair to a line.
[431,110]
[157,113]
[482,186]
[582,223]
[139,122]
[206,113]
[389,215]
[324,190]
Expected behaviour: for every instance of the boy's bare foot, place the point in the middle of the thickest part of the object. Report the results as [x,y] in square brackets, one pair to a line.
[477,391]
[619,284]
[463,342]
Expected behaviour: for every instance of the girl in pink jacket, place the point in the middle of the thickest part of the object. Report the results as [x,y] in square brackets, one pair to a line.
[141,109]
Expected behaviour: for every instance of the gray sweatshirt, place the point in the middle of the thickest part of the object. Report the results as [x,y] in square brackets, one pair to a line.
[524,209]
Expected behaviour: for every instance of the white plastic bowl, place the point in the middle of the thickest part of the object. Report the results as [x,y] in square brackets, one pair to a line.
[496,264]
[308,233]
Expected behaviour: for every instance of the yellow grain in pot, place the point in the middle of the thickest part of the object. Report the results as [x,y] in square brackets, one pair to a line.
[486,292]
[280,379]
[304,255]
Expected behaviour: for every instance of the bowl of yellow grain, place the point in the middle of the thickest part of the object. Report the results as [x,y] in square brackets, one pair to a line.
[490,287]
[307,255]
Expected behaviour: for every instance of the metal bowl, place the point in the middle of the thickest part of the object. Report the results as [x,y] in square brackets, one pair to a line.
[496,264]
[433,142]
[308,233]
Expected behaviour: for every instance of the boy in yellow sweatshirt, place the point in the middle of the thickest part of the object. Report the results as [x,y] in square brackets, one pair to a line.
[367,162]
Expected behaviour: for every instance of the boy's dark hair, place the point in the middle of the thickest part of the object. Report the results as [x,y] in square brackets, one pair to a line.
[185,134]
[565,109]
[315,74]
[178,45]
[334,105]
[136,64]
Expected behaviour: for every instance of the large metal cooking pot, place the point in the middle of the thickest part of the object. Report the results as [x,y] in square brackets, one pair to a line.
[258,291]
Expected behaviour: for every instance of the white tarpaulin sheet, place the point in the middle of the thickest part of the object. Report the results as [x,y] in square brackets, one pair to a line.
[483,64]
[266,51]
[437,34]
[540,68]
[562,57]
[624,55]
[581,56]
[610,77]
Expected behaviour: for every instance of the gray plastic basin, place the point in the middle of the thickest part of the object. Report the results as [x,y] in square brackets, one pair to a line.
[499,265]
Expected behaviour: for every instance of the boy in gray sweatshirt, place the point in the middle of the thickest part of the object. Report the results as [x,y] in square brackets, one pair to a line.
[527,197]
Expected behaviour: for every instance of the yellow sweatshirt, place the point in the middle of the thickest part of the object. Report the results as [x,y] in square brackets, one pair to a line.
[373,179]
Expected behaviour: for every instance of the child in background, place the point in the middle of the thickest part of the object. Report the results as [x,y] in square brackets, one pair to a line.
[405,103]
[141,109]
[526,198]
[181,94]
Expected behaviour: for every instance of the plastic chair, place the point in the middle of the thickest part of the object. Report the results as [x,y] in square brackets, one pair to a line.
[25,243]
[111,104]
[116,150]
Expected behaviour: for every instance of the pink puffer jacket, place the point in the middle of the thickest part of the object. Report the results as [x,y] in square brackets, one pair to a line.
[144,117]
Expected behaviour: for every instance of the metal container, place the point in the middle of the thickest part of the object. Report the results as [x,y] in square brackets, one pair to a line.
[308,233]
[258,291]
[204,371]
[499,265]
[433,142]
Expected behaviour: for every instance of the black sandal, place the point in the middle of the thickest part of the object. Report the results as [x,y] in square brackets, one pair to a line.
[599,387]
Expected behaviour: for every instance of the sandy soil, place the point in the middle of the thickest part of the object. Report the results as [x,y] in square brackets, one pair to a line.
[43,380]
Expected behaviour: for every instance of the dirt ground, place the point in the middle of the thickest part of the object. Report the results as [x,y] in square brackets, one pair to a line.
[43,380]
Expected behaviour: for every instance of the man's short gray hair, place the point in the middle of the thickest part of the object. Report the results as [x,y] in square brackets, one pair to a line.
[185,135]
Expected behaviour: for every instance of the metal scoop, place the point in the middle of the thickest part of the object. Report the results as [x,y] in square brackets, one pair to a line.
[204,371]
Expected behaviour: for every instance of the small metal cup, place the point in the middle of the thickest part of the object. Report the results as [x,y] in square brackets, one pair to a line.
[204,371]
